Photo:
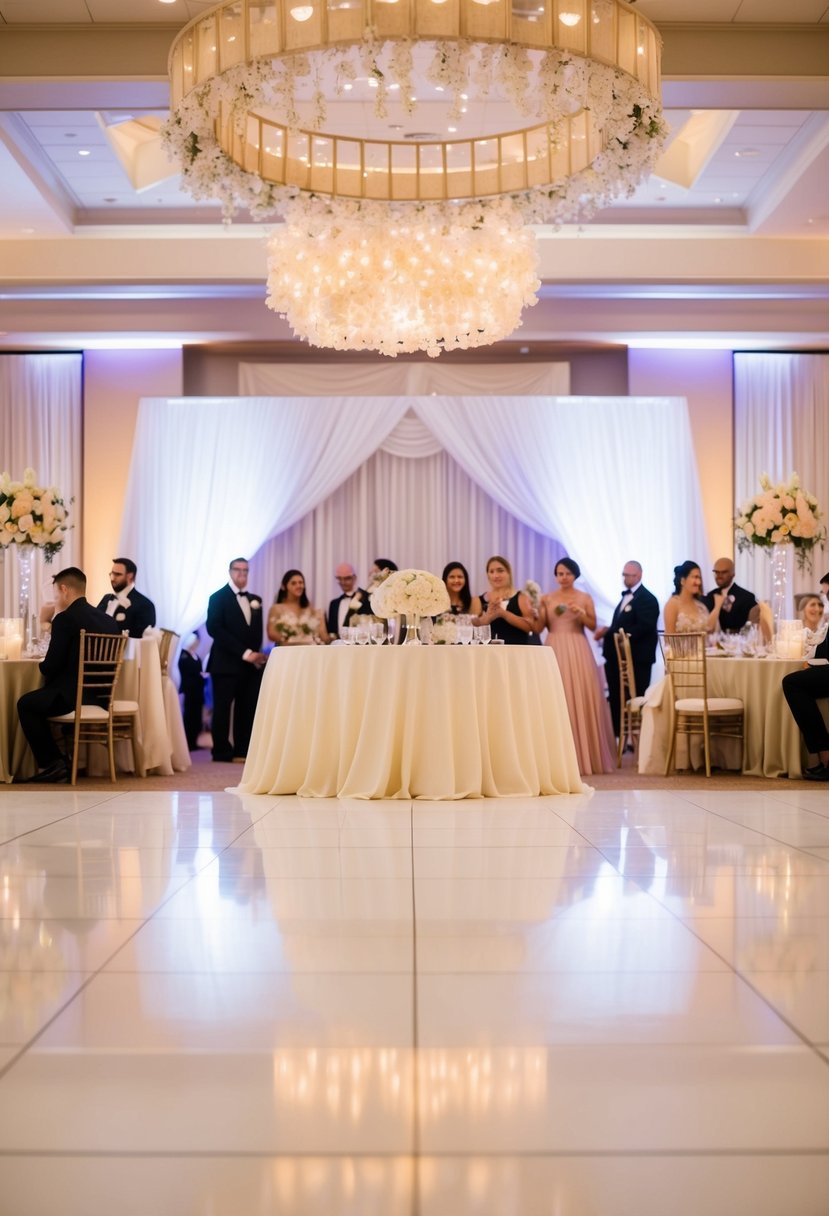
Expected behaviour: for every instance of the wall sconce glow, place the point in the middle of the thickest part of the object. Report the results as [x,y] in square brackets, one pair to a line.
[303,12]
[569,18]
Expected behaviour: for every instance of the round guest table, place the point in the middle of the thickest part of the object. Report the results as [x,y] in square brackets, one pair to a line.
[433,722]
[772,740]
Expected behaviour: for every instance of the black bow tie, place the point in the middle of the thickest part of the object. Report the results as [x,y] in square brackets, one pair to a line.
[243,595]
[626,592]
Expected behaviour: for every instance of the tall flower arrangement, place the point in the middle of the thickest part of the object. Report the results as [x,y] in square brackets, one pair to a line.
[31,514]
[782,514]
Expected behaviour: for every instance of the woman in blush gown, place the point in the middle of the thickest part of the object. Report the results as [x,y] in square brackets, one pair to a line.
[566,614]
[685,612]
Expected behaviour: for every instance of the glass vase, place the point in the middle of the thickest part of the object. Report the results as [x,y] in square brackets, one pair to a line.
[779,584]
[24,589]
[412,637]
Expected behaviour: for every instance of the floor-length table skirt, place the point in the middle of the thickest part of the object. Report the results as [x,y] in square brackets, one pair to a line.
[411,722]
[772,740]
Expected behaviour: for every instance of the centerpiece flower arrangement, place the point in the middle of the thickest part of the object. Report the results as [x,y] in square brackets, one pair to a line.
[445,631]
[31,514]
[782,514]
[410,592]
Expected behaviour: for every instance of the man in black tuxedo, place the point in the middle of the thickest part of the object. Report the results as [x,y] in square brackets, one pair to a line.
[802,690]
[737,603]
[60,672]
[637,613]
[340,610]
[234,621]
[128,608]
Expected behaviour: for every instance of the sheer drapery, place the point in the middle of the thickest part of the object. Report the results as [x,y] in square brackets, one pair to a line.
[401,379]
[612,478]
[781,425]
[609,479]
[40,428]
[213,478]
[420,512]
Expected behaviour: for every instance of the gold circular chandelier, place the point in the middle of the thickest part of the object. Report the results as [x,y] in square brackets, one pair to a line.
[397,239]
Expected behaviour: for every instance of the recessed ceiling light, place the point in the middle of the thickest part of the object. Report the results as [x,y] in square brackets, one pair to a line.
[84,152]
[746,153]
[166,1]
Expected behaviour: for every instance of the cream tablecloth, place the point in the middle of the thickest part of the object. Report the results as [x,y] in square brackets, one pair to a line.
[411,722]
[772,745]
[15,679]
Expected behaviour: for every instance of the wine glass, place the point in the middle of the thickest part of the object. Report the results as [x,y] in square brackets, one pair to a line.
[378,632]
[483,634]
[347,635]
[464,634]
[363,633]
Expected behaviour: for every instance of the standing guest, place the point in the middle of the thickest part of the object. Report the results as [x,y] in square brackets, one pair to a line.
[736,604]
[60,672]
[685,611]
[191,683]
[565,614]
[461,600]
[128,608]
[508,612]
[234,621]
[802,690]
[352,600]
[637,613]
[293,621]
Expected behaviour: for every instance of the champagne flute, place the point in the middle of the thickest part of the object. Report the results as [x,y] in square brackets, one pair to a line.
[464,634]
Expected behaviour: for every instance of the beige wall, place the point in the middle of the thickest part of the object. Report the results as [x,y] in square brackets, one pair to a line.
[705,378]
[114,382]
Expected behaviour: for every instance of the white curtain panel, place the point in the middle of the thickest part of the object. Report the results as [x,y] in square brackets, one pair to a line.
[613,479]
[400,379]
[781,426]
[212,478]
[40,428]
[607,479]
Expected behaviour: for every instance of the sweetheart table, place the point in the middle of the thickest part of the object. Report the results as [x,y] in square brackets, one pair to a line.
[435,722]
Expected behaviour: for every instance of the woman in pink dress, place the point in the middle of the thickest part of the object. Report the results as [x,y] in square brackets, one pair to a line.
[567,613]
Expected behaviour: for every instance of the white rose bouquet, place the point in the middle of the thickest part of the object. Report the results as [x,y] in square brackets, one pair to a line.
[31,514]
[444,631]
[413,592]
[296,630]
[781,515]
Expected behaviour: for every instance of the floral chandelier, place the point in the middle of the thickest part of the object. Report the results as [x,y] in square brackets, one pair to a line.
[539,111]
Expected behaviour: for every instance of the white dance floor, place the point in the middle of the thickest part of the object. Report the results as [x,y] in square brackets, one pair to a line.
[606,1005]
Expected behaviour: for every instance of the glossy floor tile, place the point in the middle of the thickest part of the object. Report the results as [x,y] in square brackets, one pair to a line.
[613,1004]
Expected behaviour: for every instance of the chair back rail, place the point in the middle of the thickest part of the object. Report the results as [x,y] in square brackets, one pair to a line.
[694,712]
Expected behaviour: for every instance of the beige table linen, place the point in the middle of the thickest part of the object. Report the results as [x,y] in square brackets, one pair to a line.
[436,722]
[16,677]
[772,746]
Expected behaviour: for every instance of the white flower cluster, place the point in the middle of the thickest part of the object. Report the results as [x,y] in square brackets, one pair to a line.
[31,514]
[782,514]
[444,631]
[552,86]
[356,276]
[300,628]
[413,592]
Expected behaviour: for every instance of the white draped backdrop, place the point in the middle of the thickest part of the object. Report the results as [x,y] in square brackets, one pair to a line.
[423,479]
[604,479]
[781,426]
[40,428]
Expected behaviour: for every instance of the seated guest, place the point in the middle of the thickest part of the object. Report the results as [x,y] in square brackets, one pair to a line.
[352,600]
[802,690]
[60,672]
[292,621]
[810,612]
[130,610]
[736,602]
[191,684]
[508,612]
[685,611]
[461,600]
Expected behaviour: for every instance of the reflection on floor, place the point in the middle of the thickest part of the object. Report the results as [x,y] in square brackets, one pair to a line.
[613,1005]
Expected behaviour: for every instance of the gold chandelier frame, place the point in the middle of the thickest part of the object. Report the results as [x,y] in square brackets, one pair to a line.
[239,33]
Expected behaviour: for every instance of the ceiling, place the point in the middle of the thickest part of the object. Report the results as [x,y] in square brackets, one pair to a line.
[733,227]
